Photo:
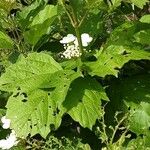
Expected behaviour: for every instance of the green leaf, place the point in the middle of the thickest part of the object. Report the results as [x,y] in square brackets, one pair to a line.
[47,13]
[91,25]
[140,111]
[94,4]
[40,111]
[145,19]
[35,69]
[39,87]
[76,4]
[122,35]
[83,101]
[5,41]
[143,37]
[119,49]
[41,24]
[114,4]
[109,64]
[139,144]
[33,114]
[139,3]
[133,93]
[2,112]
[27,14]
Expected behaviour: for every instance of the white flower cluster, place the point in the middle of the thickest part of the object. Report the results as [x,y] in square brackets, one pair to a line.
[71,45]
[10,140]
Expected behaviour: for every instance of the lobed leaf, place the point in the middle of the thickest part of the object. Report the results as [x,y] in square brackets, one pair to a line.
[39,87]
[83,101]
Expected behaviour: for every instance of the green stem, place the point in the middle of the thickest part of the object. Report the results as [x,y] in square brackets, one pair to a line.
[20,45]
[74,21]
[116,128]
[78,35]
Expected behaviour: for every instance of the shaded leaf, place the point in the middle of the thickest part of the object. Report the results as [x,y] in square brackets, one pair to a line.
[27,14]
[5,41]
[41,24]
[143,37]
[119,49]
[133,93]
[83,101]
[139,144]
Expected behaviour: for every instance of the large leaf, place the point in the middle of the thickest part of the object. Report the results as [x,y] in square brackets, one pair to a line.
[124,35]
[119,49]
[91,25]
[83,101]
[33,114]
[35,69]
[39,87]
[41,24]
[40,111]
[109,64]
[5,41]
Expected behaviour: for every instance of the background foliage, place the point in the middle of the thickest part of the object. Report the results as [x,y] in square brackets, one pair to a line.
[97,101]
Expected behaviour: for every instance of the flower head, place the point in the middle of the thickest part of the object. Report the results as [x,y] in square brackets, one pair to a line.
[71,45]
[86,39]
[68,39]
[6,122]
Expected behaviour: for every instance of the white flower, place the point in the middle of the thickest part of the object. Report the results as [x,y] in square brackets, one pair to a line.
[9,142]
[71,45]
[68,39]
[71,51]
[6,122]
[86,39]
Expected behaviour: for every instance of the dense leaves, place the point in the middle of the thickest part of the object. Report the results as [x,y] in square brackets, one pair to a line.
[53,90]
[133,95]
